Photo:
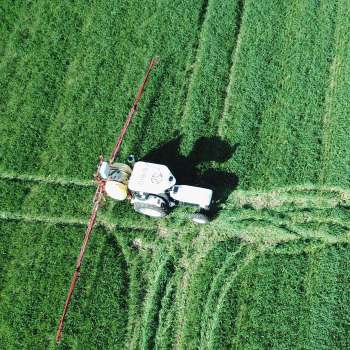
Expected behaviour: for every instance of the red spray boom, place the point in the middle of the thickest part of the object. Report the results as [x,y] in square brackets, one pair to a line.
[99,194]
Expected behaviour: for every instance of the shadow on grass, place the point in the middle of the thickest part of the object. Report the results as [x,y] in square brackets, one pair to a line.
[194,169]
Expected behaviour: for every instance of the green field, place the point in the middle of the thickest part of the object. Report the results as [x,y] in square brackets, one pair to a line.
[249,97]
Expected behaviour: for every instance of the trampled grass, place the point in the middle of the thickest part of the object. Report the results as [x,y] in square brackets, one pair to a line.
[249,97]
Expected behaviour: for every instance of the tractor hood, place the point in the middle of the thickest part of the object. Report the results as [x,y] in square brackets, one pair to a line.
[151,178]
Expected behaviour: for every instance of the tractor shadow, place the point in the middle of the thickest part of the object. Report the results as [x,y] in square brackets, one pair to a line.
[194,169]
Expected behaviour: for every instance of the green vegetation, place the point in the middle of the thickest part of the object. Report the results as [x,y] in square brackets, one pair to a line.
[271,79]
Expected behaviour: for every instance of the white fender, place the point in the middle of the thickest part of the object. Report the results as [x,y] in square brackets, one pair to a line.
[192,195]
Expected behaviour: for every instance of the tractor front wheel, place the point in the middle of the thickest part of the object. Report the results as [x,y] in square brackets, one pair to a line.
[199,218]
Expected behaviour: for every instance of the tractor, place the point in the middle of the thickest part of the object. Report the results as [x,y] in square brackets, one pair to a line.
[152,189]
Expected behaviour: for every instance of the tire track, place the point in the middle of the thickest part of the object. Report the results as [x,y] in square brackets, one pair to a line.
[211,68]
[218,282]
[327,120]
[167,315]
[6,216]
[47,180]
[152,305]
[234,60]
[216,324]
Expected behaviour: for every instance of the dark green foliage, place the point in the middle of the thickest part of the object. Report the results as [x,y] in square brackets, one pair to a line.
[7,230]
[35,279]
[33,71]
[271,302]
[13,194]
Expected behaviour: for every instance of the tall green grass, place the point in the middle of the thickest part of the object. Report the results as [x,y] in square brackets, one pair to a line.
[33,71]
[270,78]
[278,96]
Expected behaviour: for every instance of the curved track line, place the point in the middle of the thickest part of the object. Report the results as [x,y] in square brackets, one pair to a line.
[215,288]
[334,70]
[225,290]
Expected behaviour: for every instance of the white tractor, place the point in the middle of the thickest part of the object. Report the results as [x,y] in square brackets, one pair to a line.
[152,189]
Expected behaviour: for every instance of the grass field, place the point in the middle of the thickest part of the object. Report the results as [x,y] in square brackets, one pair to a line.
[250,98]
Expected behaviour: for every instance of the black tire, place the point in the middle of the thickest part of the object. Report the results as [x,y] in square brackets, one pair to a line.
[199,218]
[150,210]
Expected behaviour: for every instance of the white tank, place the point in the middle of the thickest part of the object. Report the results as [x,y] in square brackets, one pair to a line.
[116,190]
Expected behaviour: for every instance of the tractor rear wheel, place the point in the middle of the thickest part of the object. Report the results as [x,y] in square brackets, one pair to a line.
[150,210]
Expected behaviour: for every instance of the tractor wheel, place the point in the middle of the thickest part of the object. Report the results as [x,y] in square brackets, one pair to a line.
[150,210]
[199,218]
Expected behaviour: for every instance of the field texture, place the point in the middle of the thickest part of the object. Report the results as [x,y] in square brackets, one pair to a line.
[250,98]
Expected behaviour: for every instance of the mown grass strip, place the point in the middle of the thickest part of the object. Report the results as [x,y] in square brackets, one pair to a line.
[300,195]
[253,82]
[260,228]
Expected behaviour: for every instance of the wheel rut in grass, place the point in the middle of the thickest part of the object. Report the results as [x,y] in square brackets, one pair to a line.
[299,211]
